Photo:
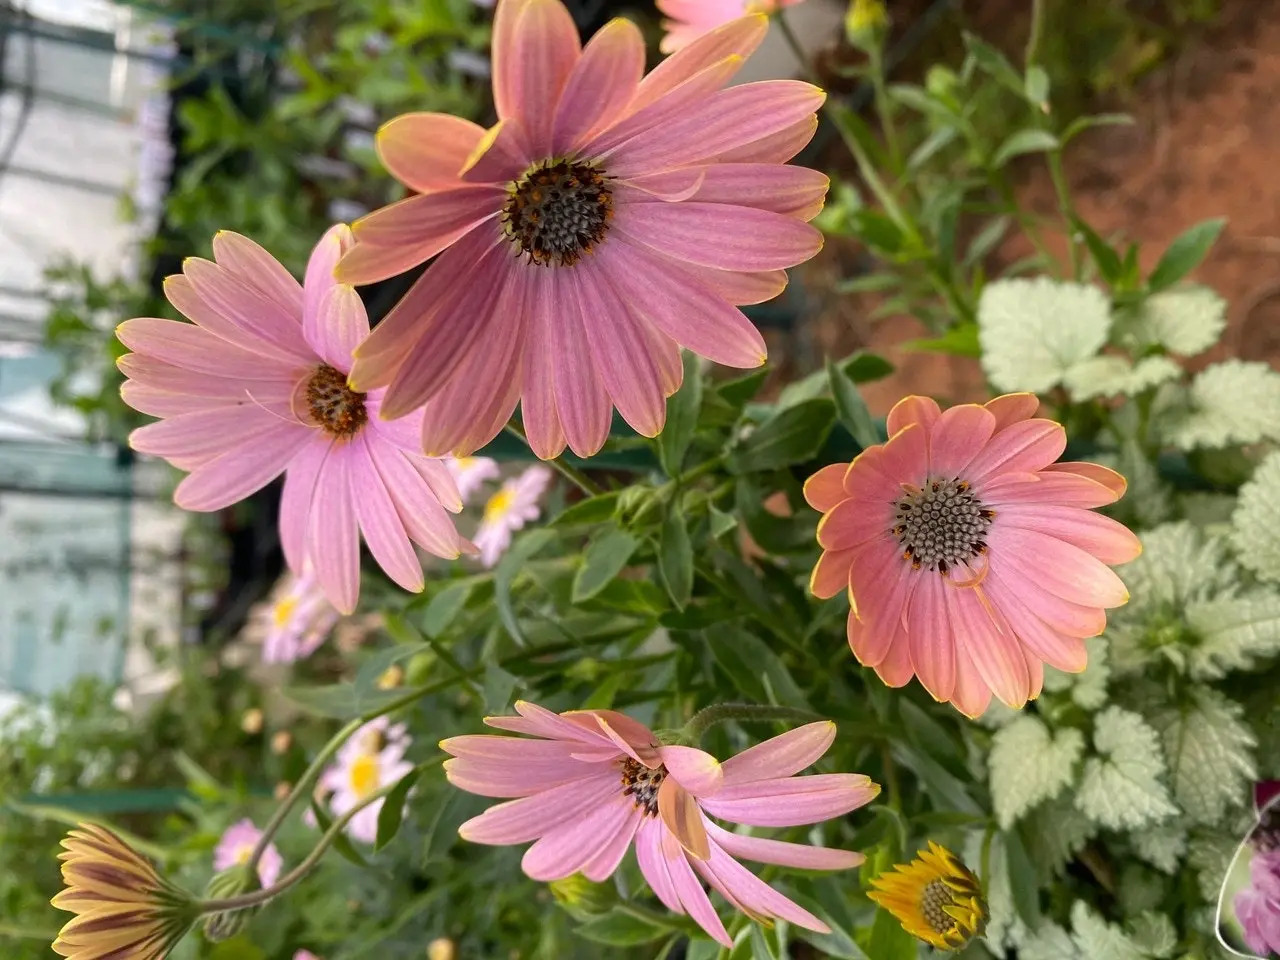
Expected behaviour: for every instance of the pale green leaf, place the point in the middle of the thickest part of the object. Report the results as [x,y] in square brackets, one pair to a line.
[1139,889]
[1057,831]
[1185,321]
[1210,753]
[1121,786]
[1029,765]
[1161,846]
[1256,522]
[1099,940]
[1109,376]
[1033,331]
[1049,942]
[1089,687]
[1154,934]
[1232,633]
[1209,854]
[1233,402]
[1004,927]
[1178,564]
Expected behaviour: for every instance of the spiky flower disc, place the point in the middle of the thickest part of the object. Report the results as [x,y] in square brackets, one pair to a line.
[935,897]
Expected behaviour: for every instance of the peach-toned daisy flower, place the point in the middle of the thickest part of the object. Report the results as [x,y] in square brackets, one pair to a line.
[236,847]
[607,218]
[471,473]
[971,558]
[371,759]
[690,19]
[596,780]
[514,505]
[256,385]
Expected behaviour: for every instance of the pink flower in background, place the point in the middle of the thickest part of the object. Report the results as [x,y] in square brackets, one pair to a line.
[305,955]
[471,473]
[257,385]
[371,759]
[969,555]
[301,616]
[514,505]
[595,781]
[607,219]
[236,847]
[690,19]
[1257,906]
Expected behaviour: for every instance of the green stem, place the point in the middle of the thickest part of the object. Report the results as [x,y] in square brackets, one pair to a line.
[703,720]
[1037,31]
[1064,205]
[881,94]
[985,858]
[572,474]
[892,791]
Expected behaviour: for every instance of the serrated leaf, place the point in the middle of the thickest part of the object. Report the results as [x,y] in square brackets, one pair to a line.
[1233,633]
[1154,934]
[1121,787]
[604,558]
[391,813]
[792,436]
[1185,253]
[1233,402]
[1029,765]
[1210,753]
[1109,376]
[1033,331]
[1186,321]
[1210,855]
[1089,686]
[620,929]
[1049,942]
[682,418]
[1178,564]
[1256,522]
[1097,939]
[1023,141]
[675,556]
[1161,846]
[1057,831]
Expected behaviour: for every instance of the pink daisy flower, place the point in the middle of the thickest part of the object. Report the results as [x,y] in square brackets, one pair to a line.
[256,385]
[690,19]
[471,473]
[300,619]
[236,847]
[1257,906]
[514,505]
[607,219]
[971,558]
[371,759]
[305,955]
[596,780]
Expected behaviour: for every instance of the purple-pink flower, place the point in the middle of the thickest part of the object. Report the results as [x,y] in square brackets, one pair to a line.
[305,955]
[236,847]
[471,473]
[594,781]
[257,385]
[514,505]
[1257,906]
[299,619]
[371,759]
[690,19]
[606,220]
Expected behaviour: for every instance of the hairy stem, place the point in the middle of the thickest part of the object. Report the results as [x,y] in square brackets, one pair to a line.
[705,719]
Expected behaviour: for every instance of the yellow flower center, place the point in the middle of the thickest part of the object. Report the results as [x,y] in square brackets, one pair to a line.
[464,463]
[364,775]
[243,853]
[498,506]
[284,610]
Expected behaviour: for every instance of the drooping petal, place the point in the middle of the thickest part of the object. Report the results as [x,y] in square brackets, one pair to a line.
[603,82]
[255,266]
[781,756]
[570,846]
[692,897]
[798,855]
[379,521]
[338,325]
[425,519]
[246,469]
[603,865]
[792,801]
[695,770]
[528,818]
[720,235]
[427,151]
[991,646]
[333,540]
[680,814]
[1055,648]
[756,895]
[653,866]
[296,500]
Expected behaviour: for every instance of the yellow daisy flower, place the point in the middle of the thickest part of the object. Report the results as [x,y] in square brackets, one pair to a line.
[935,897]
[124,908]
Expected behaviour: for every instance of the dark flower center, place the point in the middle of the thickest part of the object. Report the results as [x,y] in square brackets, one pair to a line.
[334,405]
[642,783]
[933,898]
[557,212]
[941,524]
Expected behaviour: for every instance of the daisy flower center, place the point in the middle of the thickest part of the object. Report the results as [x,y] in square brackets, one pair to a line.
[243,853]
[558,211]
[642,783]
[333,405]
[284,610]
[941,524]
[933,898]
[364,775]
[498,506]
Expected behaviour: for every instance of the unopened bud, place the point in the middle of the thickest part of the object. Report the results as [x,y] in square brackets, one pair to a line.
[391,678]
[582,898]
[231,882]
[251,722]
[282,790]
[281,741]
[441,948]
[865,24]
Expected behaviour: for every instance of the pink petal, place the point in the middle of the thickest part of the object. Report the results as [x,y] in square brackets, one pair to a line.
[159,375]
[780,756]
[831,573]
[1072,619]
[1109,541]
[241,471]
[324,258]
[680,307]
[1024,447]
[620,728]
[896,670]
[244,307]
[778,147]
[603,82]
[653,866]
[905,458]
[156,402]
[737,39]
[913,409]
[603,865]
[581,400]
[517,750]
[427,151]
[333,539]
[1056,649]
[740,289]
[882,583]
[1046,487]
[1092,471]
[488,778]
[847,526]
[179,292]
[532,62]
[568,848]
[991,645]
[692,897]
[1013,408]
[379,521]
[825,489]
[622,354]
[667,186]
[792,191]
[425,520]
[756,895]
[538,399]
[206,433]
[564,727]
[719,235]
[957,435]
[972,695]
[865,479]
[932,642]
[798,855]
[252,264]
[695,770]
[338,326]
[501,156]
[295,501]
[439,479]
[528,818]
[193,348]
[1063,570]
[792,801]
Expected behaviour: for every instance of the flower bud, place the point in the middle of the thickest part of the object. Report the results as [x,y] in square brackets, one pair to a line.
[281,741]
[251,722]
[582,898]
[866,24]
[230,883]
[441,948]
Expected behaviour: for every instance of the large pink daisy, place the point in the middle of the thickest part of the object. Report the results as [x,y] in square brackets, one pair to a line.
[256,385]
[596,780]
[608,218]
[970,556]
[690,19]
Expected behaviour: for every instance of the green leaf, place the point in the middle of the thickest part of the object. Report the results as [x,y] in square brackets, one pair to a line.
[851,408]
[1210,751]
[1033,331]
[993,63]
[451,809]
[986,240]
[946,789]
[1029,765]
[341,843]
[1235,632]
[588,512]
[737,393]
[959,341]
[1024,884]
[675,556]
[1097,939]
[339,701]
[604,558]
[1233,402]
[1161,846]
[889,941]
[1154,934]
[504,575]
[838,943]
[1256,521]
[391,813]
[877,231]
[445,605]
[682,418]
[1107,375]
[1036,86]
[750,664]
[1081,124]
[1185,320]
[721,522]
[1185,253]
[498,687]
[1108,261]
[621,929]
[1121,787]
[792,436]
[1023,141]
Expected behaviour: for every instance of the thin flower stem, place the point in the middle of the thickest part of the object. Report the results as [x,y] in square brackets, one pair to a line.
[1059,179]
[985,858]
[572,474]
[876,56]
[1036,32]
[703,720]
